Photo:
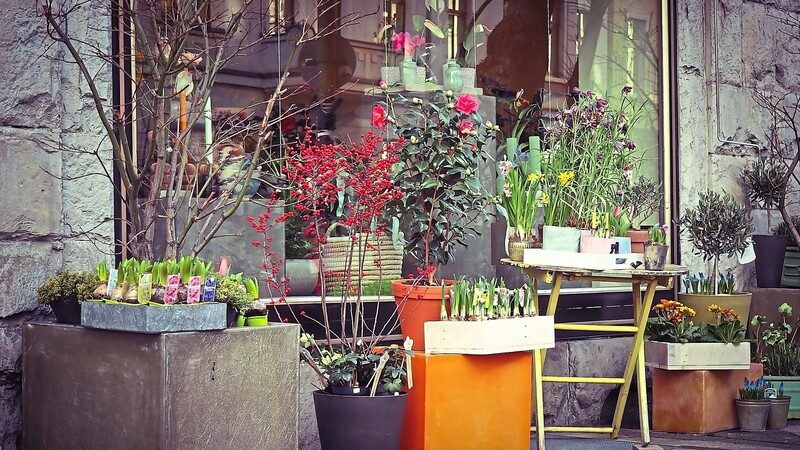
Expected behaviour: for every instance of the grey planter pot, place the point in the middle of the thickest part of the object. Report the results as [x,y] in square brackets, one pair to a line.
[791,387]
[752,414]
[778,412]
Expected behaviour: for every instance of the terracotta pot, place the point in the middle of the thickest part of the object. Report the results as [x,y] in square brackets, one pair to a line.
[417,304]
[638,238]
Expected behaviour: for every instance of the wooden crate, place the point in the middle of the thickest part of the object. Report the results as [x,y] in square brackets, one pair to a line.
[488,337]
[697,356]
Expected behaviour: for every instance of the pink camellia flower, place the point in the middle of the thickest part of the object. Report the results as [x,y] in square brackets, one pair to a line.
[379,118]
[466,104]
[383,85]
[466,127]
[417,41]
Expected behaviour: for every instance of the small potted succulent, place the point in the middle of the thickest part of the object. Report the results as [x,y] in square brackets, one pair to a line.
[765,181]
[718,225]
[64,293]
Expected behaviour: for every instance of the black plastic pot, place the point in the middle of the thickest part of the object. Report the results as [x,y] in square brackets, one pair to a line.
[67,311]
[356,422]
[770,250]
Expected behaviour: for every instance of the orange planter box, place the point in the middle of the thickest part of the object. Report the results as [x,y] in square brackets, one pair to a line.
[469,402]
[698,401]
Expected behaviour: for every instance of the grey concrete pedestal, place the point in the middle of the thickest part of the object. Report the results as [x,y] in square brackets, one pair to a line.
[228,389]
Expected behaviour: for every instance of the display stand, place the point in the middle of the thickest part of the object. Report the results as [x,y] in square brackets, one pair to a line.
[642,302]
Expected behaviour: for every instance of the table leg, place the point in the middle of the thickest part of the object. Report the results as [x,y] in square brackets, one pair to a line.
[558,278]
[633,357]
[641,383]
[538,398]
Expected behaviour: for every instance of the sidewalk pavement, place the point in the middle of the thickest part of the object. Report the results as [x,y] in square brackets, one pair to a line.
[785,439]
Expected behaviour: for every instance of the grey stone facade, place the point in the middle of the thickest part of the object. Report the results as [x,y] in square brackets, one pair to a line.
[51,220]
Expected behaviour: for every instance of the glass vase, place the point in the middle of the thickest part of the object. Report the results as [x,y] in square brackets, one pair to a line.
[408,71]
[452,76]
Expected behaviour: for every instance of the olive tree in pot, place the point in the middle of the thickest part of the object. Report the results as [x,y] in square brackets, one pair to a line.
[718,225]
[444,141]
[766,182]
[640,200]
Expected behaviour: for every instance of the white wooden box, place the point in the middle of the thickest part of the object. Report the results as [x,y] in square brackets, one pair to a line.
[590,261]
[486,337]
[697,355]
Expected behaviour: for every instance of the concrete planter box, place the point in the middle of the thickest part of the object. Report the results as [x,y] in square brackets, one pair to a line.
[153,319]
[791,387]
[488,337]
[229,389]
[697,356]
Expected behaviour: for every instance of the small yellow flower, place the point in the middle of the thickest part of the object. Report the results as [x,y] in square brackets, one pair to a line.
[565,177]
[534,177]
[545,199]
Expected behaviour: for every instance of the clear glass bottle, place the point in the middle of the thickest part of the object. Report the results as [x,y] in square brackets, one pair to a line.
[452,76]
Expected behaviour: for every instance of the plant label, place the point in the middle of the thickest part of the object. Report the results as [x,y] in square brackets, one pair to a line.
[194,290]
[145,288]
[210,289]
[171,293]
[113,276]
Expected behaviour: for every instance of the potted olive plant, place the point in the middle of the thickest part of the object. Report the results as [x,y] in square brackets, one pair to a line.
[765,180]
[640,200]
[718,225]
[443,203]
[64,293]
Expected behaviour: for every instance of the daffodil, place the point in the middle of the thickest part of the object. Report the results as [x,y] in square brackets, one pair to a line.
[566,177]
[545,199]
[534,177]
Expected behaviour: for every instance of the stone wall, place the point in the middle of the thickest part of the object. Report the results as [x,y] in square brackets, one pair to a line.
[49,218]
[758,52]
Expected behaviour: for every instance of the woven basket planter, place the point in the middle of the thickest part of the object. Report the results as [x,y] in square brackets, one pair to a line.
[341,257]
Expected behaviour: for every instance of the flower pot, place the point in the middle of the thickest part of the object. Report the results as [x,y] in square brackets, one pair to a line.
[390,75]
[752,414]
[359,422]
[256,321]
[67,310]
[739,302]
[303,275]
[408,72]
[638,239]
[565,239]
[592,244]
[417,304]
[778,412]
[791,387]
[770,250]
[655,256]
[516,249]
[623,244]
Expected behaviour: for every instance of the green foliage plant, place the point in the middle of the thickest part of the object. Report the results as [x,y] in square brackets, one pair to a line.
[66,285]
[718,225]
[776,346]
[640,200]
[233,292]
[765,181]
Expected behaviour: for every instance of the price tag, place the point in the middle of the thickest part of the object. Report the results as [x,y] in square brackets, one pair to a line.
[145,288]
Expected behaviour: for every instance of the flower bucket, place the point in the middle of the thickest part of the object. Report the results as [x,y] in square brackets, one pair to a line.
[596,245]
[752,414]
[655,256]
[778,412]
[357,421]
[565,239]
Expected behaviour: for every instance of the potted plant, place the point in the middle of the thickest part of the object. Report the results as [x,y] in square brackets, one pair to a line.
[777,350]
[656,248]
[442,202]
[301,266]
[64,293]
[231,291]
[639,201]
[718,225]
[765,181]
[594,158]
[675,342]
[751,406]
[518,187]
[779,404]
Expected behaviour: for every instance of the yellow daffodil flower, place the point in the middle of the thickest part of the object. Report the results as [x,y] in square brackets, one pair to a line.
[565,177]
[545,199]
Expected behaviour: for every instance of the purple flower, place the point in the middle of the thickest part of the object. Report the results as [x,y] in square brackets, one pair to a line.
[507,190]
[505,167]
[626,90]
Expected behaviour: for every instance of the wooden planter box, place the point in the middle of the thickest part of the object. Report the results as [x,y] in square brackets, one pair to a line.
[697,356]
[698,401]
[488,337]
[590,261]
[154,319]
[791,387]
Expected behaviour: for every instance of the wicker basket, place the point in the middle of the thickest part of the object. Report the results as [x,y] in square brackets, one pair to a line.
[341,257]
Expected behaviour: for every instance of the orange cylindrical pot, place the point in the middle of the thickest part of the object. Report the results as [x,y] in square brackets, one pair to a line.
[417,304]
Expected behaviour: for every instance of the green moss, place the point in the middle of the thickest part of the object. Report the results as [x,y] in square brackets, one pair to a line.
[66,284]
[232,292]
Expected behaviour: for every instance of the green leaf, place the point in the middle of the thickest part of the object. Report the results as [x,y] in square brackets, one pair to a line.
[434,29]
[419,22]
